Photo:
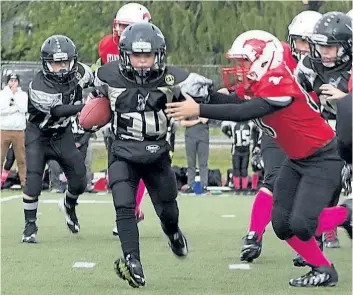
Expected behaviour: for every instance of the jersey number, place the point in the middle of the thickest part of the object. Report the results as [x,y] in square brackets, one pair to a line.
[147,123]
[243,137]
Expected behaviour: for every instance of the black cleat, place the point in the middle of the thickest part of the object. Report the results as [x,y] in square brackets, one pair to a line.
[130,270]
[299,261]
[30,233]
[251,248]
[347,225]
[321,276]
[70,216]
[177,242]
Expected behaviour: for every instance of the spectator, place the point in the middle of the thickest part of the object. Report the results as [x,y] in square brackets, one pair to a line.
[196,144]
[13,108]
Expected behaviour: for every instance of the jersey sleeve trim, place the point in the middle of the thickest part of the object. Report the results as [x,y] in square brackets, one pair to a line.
[43,101]
[279,101]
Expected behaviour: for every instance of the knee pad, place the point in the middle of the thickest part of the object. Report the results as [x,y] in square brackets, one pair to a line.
[280,223]
[302,227]
[33,186]
[77,186]
[123,213]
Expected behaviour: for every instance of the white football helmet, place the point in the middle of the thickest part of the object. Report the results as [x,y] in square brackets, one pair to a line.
[302,27]
[350,13]
[261,49]
[129,14]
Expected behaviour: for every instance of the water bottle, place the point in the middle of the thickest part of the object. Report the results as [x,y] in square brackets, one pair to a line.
[197,184]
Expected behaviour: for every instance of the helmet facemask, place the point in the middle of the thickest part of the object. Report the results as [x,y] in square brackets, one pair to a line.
[59,68]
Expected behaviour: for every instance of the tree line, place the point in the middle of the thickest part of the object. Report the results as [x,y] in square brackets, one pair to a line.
[196,32]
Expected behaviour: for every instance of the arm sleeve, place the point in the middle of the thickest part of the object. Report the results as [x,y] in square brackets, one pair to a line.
[66,110]
[220,98]
[85,138]
[251,109]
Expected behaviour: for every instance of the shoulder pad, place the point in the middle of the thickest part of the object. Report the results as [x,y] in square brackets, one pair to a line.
[84,75]
[173,76]
[42,96]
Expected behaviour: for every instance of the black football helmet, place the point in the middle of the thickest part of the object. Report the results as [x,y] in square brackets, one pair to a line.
[59,48]
[333,29]
[142,38]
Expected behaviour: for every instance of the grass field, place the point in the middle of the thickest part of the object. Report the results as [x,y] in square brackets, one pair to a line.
[214,243]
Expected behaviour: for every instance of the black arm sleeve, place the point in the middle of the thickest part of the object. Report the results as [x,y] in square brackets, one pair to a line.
[251,109]
[85,138]
[220,98]
[66,110]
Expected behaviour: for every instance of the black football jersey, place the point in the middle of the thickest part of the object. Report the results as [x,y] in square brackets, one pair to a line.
[240,133]
[337,76]
[139,121]
[44,95]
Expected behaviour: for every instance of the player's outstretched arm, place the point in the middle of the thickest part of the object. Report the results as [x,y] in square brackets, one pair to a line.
[251,109]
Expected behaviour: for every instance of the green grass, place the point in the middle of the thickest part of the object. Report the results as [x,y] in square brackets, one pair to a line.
[214,243]
[220,158]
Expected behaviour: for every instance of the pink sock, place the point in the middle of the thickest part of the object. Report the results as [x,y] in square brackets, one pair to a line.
[309,250]
[244,182]
[139,196]
[255,180]
[4,175]
[261,213]
[330,218]
[236,182]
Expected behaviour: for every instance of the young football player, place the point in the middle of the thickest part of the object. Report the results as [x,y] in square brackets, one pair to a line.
[138,86]
[109,51]
[55,94]
[286,112]
[240,133]
[301,27]
[327,71]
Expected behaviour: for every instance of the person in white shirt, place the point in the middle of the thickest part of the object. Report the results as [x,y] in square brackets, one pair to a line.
[13,108]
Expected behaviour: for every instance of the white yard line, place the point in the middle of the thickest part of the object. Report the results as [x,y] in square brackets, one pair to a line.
[238,266]
[83,264]
[228,216]
[54,201]
[6,199]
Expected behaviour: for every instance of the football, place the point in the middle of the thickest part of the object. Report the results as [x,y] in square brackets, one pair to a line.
[96,112]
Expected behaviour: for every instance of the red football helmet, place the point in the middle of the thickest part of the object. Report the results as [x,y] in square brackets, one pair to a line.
[129,14]
[252,54]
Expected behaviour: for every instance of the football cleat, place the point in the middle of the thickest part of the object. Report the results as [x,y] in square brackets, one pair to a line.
[70,216]
[331,239]
[130,270]
[321,276]
[177,243]
[251,248]
[30,233]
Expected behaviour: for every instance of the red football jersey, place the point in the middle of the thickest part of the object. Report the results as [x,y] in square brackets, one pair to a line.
[108,49]
[298,128]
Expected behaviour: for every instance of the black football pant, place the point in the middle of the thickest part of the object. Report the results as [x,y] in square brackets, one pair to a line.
[240,164]
[161,184]
[302,190]
[273,158]
[41,147]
